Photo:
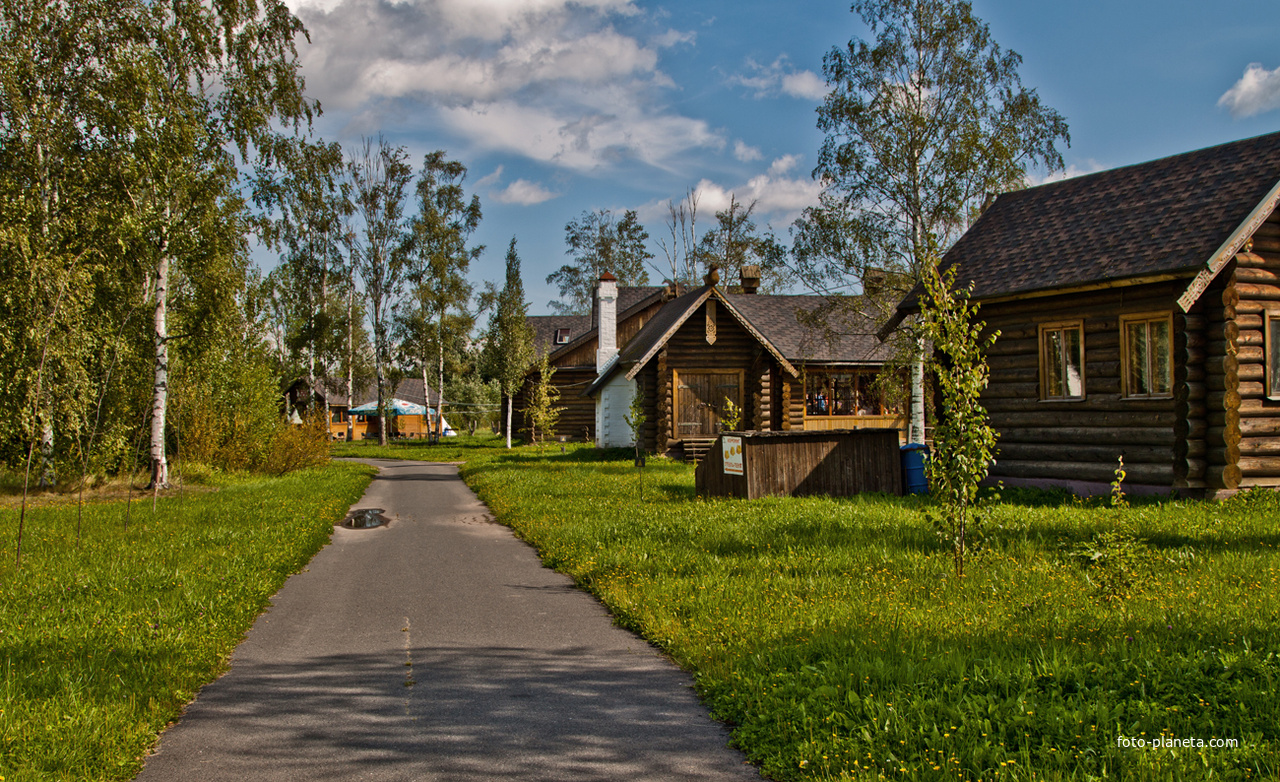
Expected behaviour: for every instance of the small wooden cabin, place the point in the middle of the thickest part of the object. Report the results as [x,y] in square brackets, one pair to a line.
[1139,316]
[572,341]
[364,427]
[706,352]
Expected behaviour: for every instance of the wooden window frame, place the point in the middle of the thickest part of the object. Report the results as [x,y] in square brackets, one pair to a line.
[561,337]
[1270,367]
[1143,317]
[1061,325]
[855,372]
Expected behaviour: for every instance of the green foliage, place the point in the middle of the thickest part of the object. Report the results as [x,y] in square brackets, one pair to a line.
[730,416]
[636,418]
[735,241]
[832,637]
[963,440]
[475,402]
[542,411]
[597,245]
[104,643]
[508,345]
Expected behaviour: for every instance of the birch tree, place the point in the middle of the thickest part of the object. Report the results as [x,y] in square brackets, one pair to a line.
[380,176]
[921,123]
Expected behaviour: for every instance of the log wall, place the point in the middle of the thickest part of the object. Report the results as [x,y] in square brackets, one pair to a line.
[1077,440]
[578,419]
[1256,279]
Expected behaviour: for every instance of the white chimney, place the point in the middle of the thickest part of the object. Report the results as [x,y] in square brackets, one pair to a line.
[607,324]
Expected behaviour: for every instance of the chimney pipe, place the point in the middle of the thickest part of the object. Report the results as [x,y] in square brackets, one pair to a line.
[607,320]
[750,276]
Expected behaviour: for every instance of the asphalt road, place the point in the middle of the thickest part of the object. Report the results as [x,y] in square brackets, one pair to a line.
[437,647]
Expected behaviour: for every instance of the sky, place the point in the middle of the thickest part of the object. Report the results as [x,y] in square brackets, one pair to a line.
[558,107]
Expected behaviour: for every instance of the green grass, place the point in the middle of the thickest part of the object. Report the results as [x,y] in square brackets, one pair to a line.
[102,645]
[834,639]
[450,449]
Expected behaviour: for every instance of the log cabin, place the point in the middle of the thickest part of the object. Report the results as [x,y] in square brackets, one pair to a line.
[1139,317]
[572,341]
[706,352]
[364,427]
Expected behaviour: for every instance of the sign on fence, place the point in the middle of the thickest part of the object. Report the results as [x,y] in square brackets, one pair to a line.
[733,462]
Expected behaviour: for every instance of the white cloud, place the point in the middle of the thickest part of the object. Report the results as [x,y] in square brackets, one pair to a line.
[1089,166]
[551,79]
[745,152]
[780,78]
[779,198]
[524,193]
[804,84]
[492,178]
[1258,91]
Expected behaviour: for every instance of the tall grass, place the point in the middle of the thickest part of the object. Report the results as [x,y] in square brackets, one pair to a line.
[835,639]
[102,644]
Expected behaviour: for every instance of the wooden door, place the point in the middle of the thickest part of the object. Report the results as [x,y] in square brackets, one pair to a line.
[700,399]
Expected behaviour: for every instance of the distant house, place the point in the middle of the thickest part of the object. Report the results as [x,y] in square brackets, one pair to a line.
[1139,311]
[705,352]
[365,426]
[572,341]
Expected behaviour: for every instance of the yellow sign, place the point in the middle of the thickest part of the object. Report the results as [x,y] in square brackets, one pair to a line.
[731,448]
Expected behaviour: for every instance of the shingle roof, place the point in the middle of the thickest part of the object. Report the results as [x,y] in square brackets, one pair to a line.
[778,319]
[1167,216]
[409,389]
[545,327]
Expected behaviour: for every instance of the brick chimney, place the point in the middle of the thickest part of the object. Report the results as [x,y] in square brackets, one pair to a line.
[750,278]
[606,319]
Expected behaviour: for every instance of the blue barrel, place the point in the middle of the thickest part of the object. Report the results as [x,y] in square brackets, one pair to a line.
[914,480]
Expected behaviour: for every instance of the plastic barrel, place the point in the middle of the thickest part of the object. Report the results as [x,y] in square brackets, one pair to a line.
[914,479]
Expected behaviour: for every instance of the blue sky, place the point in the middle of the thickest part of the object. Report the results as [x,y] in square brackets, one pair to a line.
[557,107]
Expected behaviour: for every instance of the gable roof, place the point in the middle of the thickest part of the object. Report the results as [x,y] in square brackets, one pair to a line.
[1183,216]
[632,299]
[778,318]
[545,327]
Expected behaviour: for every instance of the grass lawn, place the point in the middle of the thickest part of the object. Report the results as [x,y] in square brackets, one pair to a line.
[832,636]
[103,644]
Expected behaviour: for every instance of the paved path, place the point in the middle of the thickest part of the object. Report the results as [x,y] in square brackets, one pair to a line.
[439,648]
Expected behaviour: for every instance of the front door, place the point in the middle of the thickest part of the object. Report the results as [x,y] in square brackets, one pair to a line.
[700,401]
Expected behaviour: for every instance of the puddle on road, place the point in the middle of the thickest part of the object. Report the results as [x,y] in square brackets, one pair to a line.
[365,518]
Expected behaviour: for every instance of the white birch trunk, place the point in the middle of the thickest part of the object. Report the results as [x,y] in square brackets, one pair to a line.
[160,398]
[426,396]
[351,356]
[916,434]
[508,421]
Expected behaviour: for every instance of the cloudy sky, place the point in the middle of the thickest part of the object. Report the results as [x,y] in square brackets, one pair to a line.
[561,106]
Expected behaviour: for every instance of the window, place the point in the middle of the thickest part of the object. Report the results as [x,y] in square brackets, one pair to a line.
[338,416]
[1062,360]
[842,393]
[562,336]
[1273,355]
[1147,355]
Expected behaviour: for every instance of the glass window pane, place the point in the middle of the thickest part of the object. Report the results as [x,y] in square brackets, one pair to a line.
[1053,364]
[844,401]
[1138,366]
[1161,351]
[868,400]
[1073,351]
[1273,356]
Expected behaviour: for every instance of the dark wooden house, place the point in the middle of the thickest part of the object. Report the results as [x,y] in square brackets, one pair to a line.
[706,353]
[1139,316]
[572,341]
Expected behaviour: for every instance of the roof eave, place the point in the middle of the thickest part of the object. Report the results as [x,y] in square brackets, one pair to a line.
[1218,261]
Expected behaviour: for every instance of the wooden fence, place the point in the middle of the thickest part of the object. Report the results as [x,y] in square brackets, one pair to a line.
[838,463]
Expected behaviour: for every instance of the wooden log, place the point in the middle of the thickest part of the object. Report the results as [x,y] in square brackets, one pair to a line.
[1260,465]
[1248,291]
[1249,483]
[1019,391]
[1253,372]
[1252,390]
[1133,454]
[1249,322]
[1188,373]
[1190,428]
[1101,369]
[1222,436]
[1227,454]
[1013,347]
[1148,474]
[1269,228]
[1188,321]
[1070,410]
[1221,365]
[1223,400]
[1101,354]
[1266,245]
[1189,470]
[1260,427]
[1222,382]
[1250,354]
[1189,449]
[1230,296]
[1182,340]
[1225,476]
[1258,275]
[1184,392]
[1018,361]
[1099,419]
[1259,408]
[1223,418]
[1089,435]
[1260,446]
[1250,261]
[1250,337]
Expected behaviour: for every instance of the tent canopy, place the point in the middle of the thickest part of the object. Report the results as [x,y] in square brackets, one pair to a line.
[395,406]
